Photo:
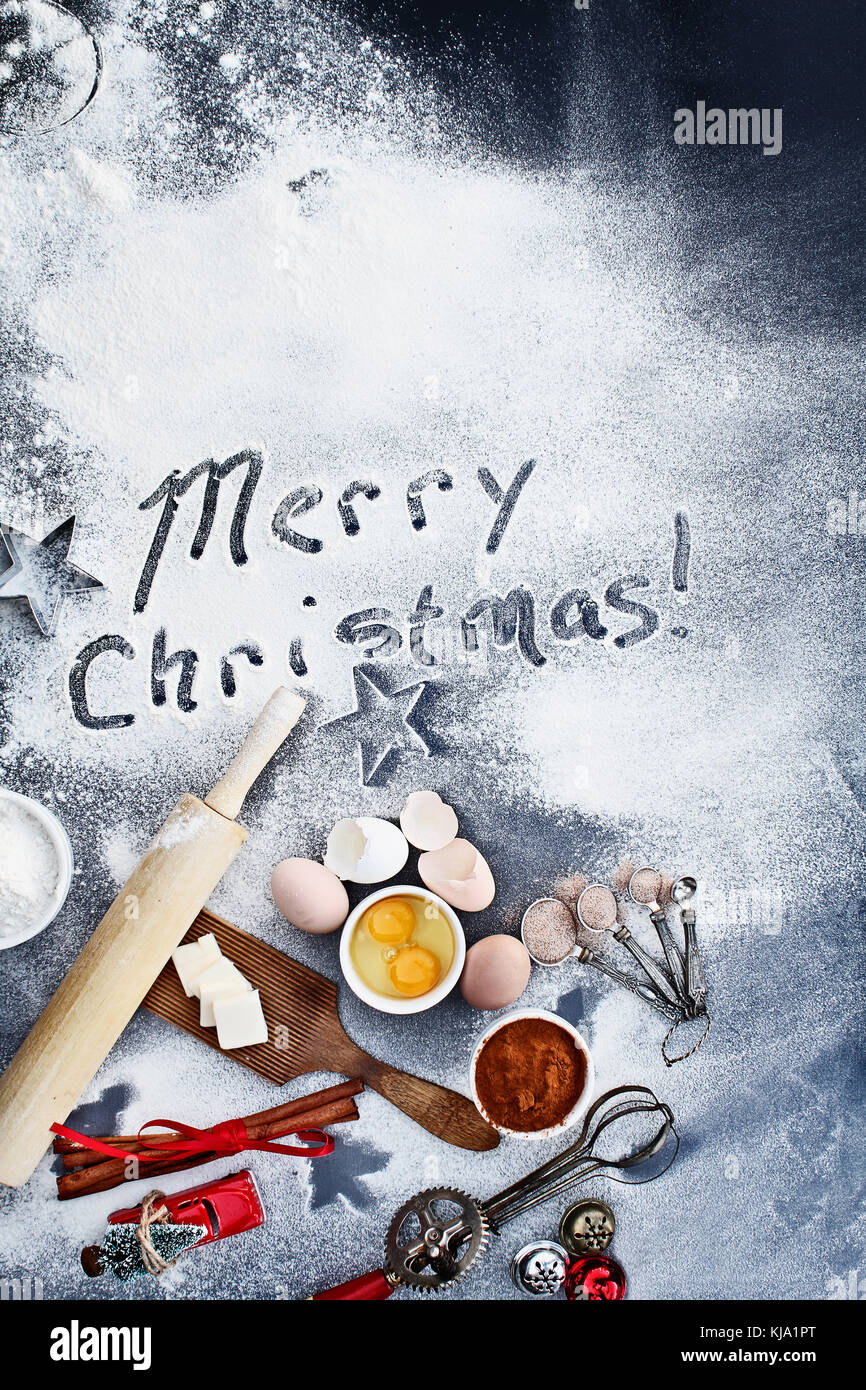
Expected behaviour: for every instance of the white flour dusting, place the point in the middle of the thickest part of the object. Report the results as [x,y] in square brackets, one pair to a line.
[29,868]
[48,65]
[355,296]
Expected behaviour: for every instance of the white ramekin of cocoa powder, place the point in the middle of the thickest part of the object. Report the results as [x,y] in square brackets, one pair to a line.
[532,1075]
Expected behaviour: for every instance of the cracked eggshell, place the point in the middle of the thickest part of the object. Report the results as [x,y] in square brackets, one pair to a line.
[366,850]
[427,821]
[309,896]
[460,875]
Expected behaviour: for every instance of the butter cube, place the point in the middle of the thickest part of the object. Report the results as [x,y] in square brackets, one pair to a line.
[240,1021]
[219,982]
[220,977]
[211,955]
[193,958]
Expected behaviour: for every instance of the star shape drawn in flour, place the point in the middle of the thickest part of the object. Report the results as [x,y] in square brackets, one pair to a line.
[41,572]
[383,722]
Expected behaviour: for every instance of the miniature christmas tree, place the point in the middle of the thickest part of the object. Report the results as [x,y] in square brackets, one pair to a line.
[121,1250]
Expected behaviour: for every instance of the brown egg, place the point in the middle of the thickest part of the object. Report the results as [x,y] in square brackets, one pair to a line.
[496,972]
[309,895]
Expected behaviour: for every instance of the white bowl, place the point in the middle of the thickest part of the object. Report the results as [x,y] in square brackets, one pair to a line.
[63,850]
[384,1002]
[575,1113]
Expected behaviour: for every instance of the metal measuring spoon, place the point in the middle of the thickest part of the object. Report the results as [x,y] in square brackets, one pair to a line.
[644,888]
[586,957]
[682,892]
[596,911]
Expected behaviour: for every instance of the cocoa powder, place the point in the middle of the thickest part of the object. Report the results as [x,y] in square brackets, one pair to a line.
[529,1074]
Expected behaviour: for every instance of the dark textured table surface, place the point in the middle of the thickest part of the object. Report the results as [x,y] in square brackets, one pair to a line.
[367,266]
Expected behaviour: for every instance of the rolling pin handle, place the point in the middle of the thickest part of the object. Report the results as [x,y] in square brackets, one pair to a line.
[370,1286]
[274,724]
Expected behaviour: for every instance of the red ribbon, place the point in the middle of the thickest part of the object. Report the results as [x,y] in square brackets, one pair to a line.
[223,1140]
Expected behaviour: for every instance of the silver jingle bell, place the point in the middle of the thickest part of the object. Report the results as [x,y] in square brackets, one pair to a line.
[587,1228]
[540,1268]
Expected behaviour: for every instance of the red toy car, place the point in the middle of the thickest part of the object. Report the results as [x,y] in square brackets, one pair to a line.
[225,1207]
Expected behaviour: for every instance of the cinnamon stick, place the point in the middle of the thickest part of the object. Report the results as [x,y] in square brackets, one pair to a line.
[107,1173]
[77,1155]
[336,1112]
[112,1172]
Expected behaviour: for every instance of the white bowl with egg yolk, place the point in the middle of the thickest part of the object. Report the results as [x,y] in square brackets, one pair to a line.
[391,1004]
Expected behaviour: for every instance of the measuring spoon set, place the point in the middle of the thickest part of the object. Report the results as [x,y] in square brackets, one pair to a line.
[676,989]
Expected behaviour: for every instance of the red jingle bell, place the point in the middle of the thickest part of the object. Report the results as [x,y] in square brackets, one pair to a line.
[596,1278]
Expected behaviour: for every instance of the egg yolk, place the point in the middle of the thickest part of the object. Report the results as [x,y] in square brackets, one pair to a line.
[392,922]
[414,971]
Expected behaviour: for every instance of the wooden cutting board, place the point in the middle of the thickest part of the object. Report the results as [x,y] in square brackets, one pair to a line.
[305,1034]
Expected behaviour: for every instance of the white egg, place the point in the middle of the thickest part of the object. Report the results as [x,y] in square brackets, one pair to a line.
[460,875]
[366,850]
[427,821]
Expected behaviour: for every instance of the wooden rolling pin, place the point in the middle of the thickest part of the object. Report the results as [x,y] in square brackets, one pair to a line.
[145,923]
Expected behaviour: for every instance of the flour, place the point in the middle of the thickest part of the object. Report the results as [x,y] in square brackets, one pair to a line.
[29,869]
[48,65]
[118,854]
[268,235]
[417,308]
[191,824]
[105,187]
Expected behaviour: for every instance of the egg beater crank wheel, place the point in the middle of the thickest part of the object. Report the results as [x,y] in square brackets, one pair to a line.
[435,1238]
